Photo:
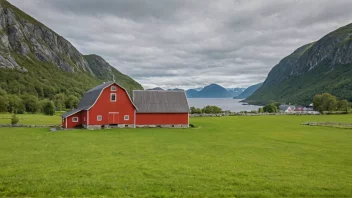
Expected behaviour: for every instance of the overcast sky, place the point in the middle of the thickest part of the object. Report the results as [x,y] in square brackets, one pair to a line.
[191,43]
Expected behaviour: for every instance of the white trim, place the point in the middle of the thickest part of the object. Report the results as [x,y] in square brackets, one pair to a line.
[112,89]
[126,116]
[74,118]
[101,118]
[113,94]
[135,118]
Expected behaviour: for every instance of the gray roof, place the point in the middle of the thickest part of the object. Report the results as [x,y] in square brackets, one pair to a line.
[157,101]
[89,98]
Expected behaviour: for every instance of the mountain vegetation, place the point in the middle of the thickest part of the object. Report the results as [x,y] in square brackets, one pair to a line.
[248,92]
[37,62]
[315,68]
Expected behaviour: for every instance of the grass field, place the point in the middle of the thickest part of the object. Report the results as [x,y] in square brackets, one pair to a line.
[33,119]
[267,156]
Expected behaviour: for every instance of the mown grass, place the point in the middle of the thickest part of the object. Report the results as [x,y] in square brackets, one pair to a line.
[39,119]
[267,156]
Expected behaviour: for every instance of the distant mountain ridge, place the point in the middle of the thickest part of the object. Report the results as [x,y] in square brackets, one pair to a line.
[43,62]
[318,67]
[214,91]
[248,92]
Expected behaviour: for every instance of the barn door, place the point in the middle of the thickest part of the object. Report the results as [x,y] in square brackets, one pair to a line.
[113,118]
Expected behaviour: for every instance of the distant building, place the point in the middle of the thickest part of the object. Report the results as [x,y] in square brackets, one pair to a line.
[287,108]
[299,109]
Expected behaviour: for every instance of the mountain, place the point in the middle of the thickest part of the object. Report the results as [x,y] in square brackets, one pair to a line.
[210,91]
[104,71]
[322,66]
[36,60]
[234,92]
[156,88]
[248,92]
[175,89]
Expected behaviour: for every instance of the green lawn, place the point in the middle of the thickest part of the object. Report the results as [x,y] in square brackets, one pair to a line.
[33,119]
[267,156]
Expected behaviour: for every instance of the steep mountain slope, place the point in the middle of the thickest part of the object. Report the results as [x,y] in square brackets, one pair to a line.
[322,66]
[210,91]
[36,60]
[104,71]
[249,91]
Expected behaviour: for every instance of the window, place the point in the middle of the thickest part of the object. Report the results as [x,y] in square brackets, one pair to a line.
[126,117]
[113,88]
[75,119]
[99,118]
[113,97]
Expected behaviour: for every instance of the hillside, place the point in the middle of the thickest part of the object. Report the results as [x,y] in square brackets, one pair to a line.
[248,92]
[36,60]
[322,66]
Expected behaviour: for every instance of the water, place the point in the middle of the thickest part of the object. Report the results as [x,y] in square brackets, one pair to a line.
[234,105]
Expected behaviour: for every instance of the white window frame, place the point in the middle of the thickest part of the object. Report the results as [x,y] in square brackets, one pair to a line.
[75,118]
[99,118]
[126,117]
[113,88]
[111,97]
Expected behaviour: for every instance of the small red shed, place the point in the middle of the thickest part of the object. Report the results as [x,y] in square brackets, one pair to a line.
[109,105]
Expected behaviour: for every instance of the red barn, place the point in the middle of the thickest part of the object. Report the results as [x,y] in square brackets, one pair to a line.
[109,105]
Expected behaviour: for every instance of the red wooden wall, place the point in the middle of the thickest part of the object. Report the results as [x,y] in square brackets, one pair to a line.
[103,106]
[71,124]
[161,118]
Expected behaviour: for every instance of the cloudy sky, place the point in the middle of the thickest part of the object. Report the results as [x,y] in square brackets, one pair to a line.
[191,43]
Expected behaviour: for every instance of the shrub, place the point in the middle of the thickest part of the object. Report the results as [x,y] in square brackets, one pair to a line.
[14,119]
[212,110]
[191,125]
[48,108]
[270,108]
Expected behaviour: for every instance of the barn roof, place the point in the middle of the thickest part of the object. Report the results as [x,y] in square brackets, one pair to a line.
[157,101]
[90,97]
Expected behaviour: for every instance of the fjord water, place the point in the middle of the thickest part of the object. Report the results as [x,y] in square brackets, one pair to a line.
[234,105]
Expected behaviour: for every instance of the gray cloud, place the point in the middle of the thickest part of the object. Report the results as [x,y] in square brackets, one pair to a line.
[191,43]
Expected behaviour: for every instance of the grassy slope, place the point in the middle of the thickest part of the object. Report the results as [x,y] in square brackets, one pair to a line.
[270,156]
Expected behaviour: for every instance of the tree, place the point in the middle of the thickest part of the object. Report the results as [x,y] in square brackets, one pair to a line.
[195,110]
[318,103]
[270,108]
[260,110]
[211,110]
[72,102]
[59,101]
[324,102]
[15,104]
[4,103]
[343,105]
[329,102]
[48,108]
[31,103]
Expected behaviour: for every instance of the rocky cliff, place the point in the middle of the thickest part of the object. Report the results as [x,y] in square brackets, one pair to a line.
[322,66]
[24,40]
